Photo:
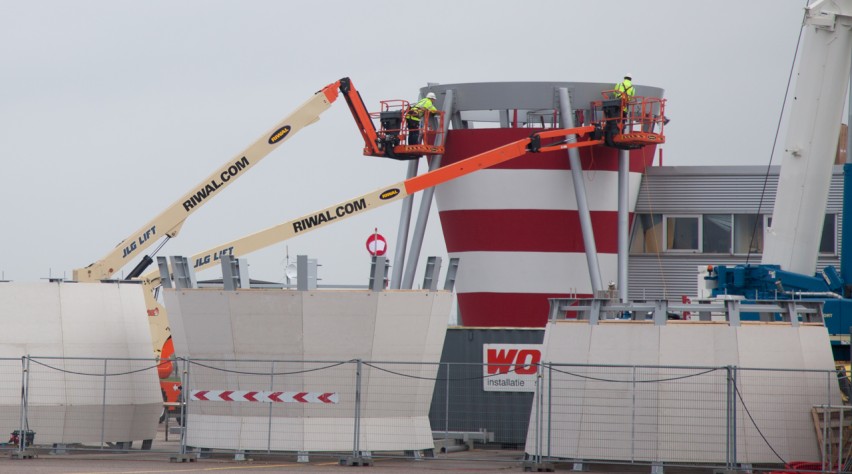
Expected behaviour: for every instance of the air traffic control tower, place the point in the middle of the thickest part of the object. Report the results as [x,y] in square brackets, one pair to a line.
[544,225]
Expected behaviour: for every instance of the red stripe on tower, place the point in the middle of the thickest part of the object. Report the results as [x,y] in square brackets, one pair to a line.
[516,228]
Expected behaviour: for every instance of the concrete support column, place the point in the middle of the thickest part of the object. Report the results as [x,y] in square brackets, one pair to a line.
[567,121]
[426,201]
[623,221]
[402,232]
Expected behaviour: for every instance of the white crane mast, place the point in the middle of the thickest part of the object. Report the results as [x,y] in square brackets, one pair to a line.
[793,239]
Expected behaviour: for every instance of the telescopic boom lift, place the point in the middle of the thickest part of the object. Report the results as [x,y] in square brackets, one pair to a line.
[387,141]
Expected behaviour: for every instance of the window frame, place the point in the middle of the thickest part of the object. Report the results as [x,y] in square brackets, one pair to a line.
[699,233]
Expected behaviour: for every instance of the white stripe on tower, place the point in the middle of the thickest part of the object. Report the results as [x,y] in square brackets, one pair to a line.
[533,189]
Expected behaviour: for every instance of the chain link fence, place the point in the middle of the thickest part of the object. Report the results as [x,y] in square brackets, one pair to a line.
[354,411]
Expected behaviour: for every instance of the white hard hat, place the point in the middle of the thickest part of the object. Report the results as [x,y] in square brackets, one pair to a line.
[431,95]
[628,76]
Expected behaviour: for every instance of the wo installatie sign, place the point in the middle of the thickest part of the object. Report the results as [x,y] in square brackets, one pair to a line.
[510,367]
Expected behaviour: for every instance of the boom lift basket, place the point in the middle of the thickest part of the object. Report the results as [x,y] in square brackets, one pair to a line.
[631,122]
[393,133]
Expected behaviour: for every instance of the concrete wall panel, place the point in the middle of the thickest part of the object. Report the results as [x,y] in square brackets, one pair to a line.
[312,327]
[66,402]
[275,329]
[626,412]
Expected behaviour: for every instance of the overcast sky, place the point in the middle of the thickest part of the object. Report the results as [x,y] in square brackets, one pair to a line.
[111,110]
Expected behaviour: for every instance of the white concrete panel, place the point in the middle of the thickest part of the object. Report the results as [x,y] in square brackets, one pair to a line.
[32,315]
[532,189]
[330,434]
[769,345]
[266,324]
[572,347]
[206,322]
[339,325]
[135,328]
[402,324]
[597,418]
[815,354]
[441,306]
[287,434]
[625,342]
[81,319]
[212,431]
[535,272]
[335,326]
[177,327]
[92,323]
[574,342]
[698,344]
[396,434]
[436,332]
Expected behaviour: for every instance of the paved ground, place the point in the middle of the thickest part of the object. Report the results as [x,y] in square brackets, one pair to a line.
[157,460]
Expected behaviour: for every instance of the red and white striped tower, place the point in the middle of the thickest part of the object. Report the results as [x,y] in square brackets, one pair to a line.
[516,227]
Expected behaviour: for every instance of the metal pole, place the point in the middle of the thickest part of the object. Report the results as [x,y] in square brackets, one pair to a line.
[633,418]
[728,402]
[426,201]
[25,369]
[826,460]
[538,417]
[840,441]
[734,417]
[623,221]
[567,121]
[271,389]
[103,404]
[447,405]
[402,232]
[185,396]
[825,440]
[355,444]
[549,408]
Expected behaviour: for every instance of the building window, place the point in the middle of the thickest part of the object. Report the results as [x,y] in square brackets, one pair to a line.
[828,241]
[748,233]
[716,233]
[647,233]
[682,233]
[739,234]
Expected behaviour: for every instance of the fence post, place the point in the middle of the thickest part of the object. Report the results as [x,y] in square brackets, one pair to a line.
[271,389]
[103,405]
[840,441]
[356,459]
[729,398]
[356,447]
[538,402]
[549,407]
[184,397]
[21,452]
[731,424]
[633,415]
[538,407]
[447,404]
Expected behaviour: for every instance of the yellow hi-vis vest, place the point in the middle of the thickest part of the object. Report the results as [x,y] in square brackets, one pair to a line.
[624,87]
[417,110]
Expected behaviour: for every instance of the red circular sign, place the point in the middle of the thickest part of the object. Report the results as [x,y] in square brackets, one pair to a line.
[377,245]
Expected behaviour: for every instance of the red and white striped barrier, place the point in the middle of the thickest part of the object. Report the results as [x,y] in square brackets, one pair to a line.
[258,396]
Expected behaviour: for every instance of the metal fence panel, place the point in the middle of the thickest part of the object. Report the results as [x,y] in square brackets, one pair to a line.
[11,395]
[710,416]
[272,405]
[92,401]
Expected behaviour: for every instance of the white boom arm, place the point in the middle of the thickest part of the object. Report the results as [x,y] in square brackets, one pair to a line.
[380,197]
[169,222]
[794,237]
